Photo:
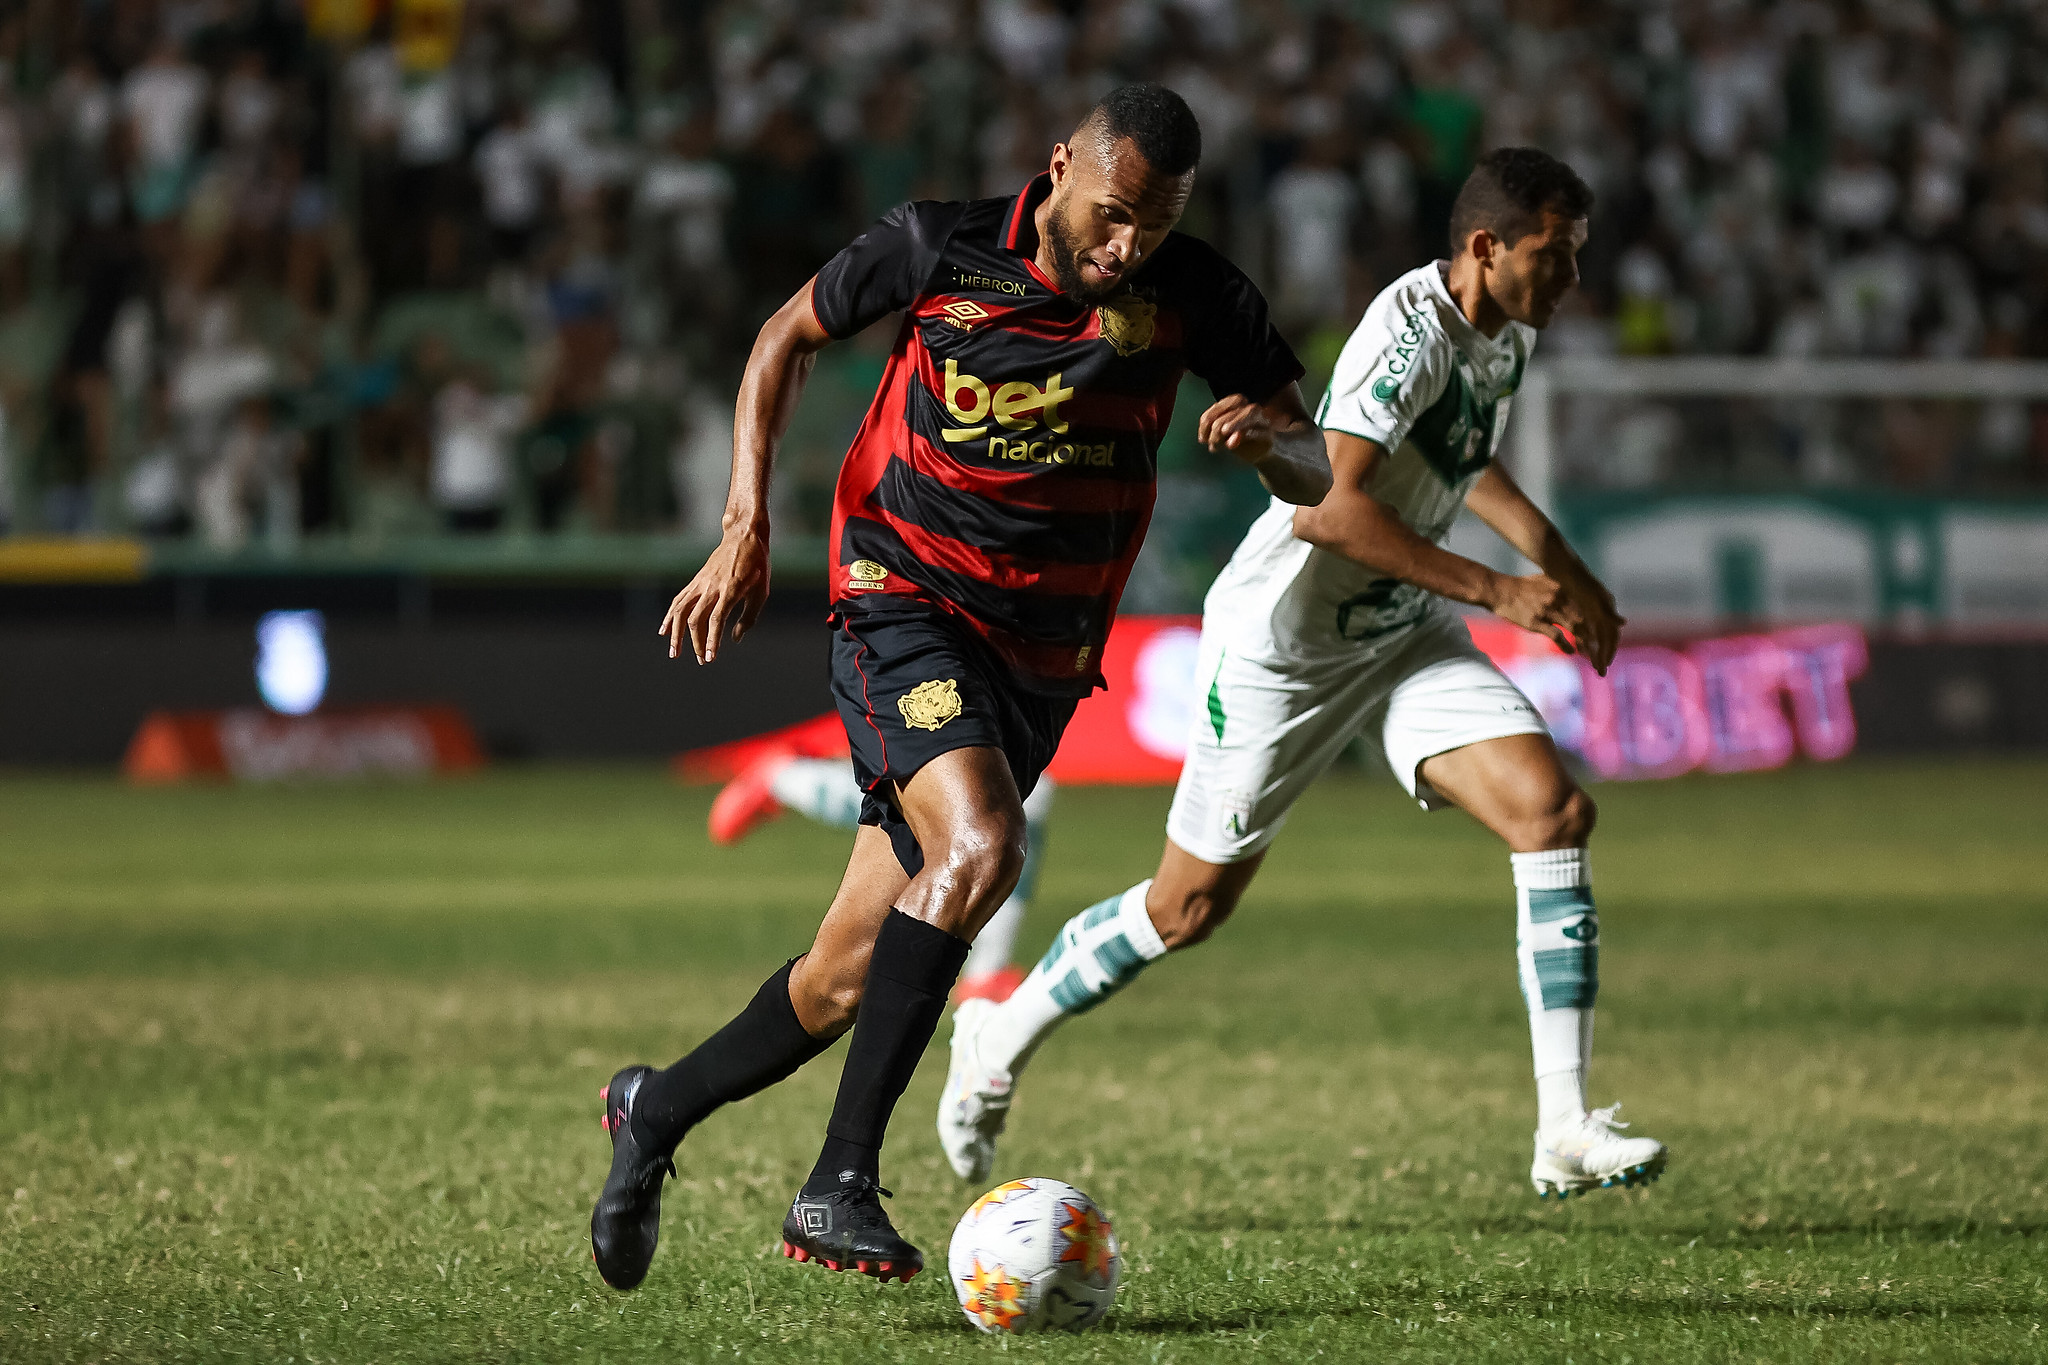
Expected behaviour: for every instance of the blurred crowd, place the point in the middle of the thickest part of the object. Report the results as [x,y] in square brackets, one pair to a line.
[272,268]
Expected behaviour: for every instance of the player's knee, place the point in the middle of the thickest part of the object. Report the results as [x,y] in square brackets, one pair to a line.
[1576,819]
[1566,822]
[990,852]
[983,857]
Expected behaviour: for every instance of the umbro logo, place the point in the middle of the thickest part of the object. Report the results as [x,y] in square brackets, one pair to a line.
[817,1220]
[964,313]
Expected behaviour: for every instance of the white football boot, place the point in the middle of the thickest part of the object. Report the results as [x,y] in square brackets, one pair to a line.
[976,1101]
[1572,1158]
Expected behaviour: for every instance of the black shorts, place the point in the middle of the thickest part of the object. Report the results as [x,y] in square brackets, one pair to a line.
[912,685]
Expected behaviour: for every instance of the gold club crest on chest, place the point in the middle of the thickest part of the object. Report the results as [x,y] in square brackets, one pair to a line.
[929,705]
[1127,322]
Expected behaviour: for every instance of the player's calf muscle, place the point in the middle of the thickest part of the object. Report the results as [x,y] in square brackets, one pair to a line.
[1189,899]
[825,985]
[826,994]
[1188,917]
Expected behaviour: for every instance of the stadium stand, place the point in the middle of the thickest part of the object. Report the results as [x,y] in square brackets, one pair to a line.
[274,278]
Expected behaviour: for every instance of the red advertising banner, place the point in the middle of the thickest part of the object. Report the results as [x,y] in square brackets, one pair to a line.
[248,745]
[1728,704]
[1137,731]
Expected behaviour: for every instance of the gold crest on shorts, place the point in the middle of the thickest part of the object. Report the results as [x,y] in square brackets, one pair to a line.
[866,572]
[929,705]
[1127,323]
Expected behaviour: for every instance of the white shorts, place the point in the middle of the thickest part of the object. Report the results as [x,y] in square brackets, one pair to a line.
[1262,734]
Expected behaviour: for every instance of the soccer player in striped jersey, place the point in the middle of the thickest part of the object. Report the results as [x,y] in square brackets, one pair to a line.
[1334,621]
[984,524]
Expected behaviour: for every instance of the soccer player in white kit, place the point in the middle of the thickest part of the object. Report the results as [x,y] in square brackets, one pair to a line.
[1334,621]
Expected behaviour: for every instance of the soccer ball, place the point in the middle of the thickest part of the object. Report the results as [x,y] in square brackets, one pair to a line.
[1032,1256]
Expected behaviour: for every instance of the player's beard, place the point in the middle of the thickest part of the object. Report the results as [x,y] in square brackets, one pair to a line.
[1066,261]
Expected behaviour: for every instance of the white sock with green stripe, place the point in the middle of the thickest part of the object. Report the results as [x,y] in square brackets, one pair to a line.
[1557,944]
[1096,954]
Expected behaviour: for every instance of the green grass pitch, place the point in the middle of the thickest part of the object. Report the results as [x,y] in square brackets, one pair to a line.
[310,1074]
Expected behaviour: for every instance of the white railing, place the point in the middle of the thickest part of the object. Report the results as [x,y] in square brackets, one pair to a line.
[1533,452]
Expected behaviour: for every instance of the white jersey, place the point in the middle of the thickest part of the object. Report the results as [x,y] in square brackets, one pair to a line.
[1419,380]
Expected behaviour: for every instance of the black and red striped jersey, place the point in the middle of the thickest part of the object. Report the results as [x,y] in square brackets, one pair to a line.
[1005,471]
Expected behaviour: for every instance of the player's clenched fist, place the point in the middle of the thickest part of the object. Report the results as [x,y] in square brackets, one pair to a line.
[1238,425]
[1276,438]
[727,594]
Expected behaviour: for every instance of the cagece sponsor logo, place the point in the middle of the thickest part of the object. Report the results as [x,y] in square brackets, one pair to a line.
[1400,358]
[1017,405]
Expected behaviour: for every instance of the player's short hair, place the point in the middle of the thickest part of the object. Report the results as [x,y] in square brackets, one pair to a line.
[1156,120]
[1508,192]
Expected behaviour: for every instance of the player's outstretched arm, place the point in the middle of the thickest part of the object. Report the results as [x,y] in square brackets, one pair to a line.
[1499,501]
[1353,523]
[1277,438]
[729,591]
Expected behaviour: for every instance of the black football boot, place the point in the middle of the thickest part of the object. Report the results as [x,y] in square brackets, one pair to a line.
[626,1224]
[847,1230]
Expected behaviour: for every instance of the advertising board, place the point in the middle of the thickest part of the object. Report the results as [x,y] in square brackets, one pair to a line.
[1729,703]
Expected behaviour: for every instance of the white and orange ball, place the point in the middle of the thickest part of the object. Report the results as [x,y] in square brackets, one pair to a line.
[1035,1255]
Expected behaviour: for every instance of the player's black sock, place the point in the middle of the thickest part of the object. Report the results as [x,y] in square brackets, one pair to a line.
[910,975]
[763,1044]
